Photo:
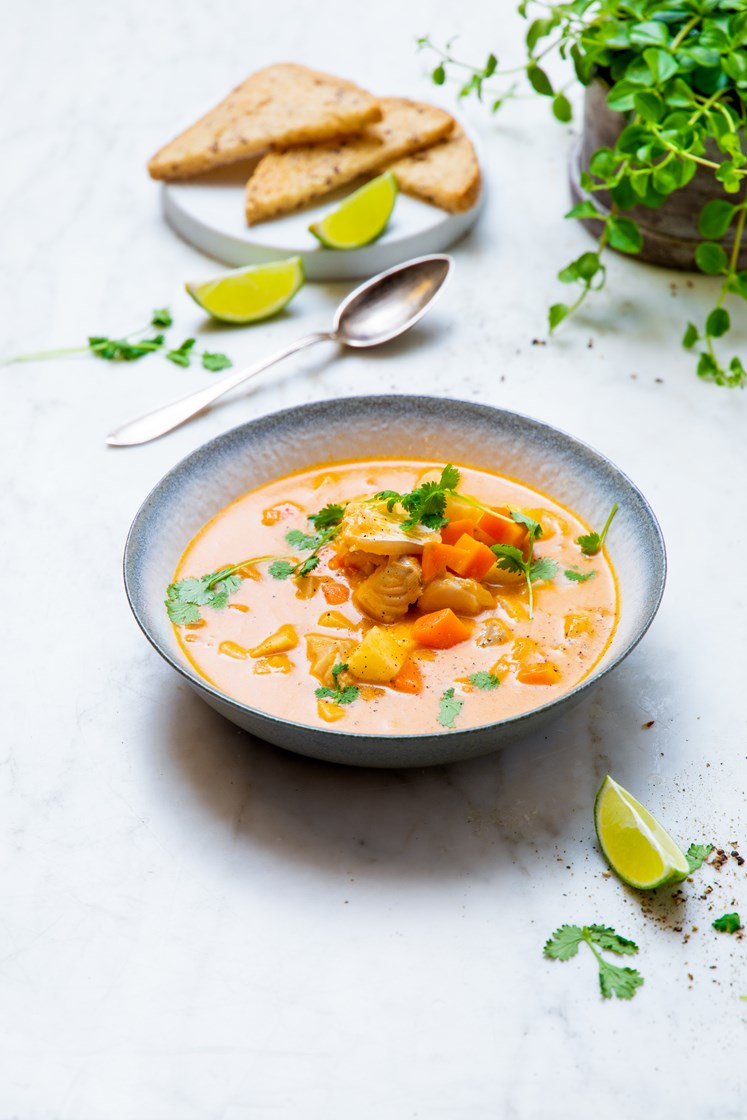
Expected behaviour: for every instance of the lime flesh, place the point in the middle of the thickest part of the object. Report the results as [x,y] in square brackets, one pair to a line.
[635,845]
[361,218]
[246,295]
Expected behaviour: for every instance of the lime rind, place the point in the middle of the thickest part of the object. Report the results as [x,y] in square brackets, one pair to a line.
[361,218]
[250,294]
[674,863]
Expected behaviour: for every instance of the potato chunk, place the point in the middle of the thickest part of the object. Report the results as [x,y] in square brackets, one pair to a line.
[324,652]
[380,656]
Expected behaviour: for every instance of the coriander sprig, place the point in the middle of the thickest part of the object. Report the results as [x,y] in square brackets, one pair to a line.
[613,980]
[338,695]
[426,504]
[511,559]
[130,348]
[328,520]
[185,596]
[591,543]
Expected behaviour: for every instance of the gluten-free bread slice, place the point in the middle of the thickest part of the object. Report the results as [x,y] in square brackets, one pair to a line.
[283,181]
[447,174]
[277,107]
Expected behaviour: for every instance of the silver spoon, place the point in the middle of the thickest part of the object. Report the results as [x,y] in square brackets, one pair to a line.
[377,311]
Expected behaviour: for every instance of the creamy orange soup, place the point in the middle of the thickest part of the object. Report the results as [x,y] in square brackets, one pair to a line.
[394,630]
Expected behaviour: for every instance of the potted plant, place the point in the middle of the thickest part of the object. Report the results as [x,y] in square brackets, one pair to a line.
[660,170]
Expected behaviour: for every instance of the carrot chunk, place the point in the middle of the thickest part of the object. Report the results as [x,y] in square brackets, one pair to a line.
[335,593]
[409,678]
[501,531]
[440,629]
[438,557]
[451,533]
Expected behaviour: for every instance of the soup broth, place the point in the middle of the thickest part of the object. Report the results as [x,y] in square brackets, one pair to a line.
[371,624]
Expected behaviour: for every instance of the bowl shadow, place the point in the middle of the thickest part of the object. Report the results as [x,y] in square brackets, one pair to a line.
[436,823]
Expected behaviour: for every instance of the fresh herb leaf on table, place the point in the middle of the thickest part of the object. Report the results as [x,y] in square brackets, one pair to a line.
[449,709]
[130,349]
[511,559]
[338,695]
[697,854]
[613,980]
[729,923]
[591,543]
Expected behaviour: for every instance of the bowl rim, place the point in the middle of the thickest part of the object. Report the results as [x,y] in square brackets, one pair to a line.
[424,738]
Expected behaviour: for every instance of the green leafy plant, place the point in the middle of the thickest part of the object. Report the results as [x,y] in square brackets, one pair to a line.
[484,680]
[613,980]
[697,854]
[677,71]
[185,597]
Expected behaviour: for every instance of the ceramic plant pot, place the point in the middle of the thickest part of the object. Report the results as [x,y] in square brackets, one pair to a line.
[670,234]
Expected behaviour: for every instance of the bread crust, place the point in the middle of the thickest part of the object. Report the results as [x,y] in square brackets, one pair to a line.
[446,174]
[285,181]
[279,106]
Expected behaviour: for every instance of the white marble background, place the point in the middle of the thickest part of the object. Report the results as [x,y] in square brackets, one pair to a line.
[196,925]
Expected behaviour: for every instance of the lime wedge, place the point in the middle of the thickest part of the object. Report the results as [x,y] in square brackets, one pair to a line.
[361,218]
[246,295]
[635,845]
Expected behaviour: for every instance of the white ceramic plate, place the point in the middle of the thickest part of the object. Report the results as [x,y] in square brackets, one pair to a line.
[209,213]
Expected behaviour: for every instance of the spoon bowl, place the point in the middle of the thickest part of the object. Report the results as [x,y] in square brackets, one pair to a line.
[390,303]
[379,310]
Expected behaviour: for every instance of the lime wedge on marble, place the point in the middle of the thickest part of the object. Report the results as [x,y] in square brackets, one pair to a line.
[362,216]
[246,295]
[635,845]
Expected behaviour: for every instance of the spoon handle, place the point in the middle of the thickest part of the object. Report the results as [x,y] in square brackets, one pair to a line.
[169,416]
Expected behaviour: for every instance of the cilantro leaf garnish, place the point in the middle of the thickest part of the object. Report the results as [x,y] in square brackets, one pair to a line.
[186,596]
[338,695]
[215,361]
[331,516]
[511,559]
[449,709]
[578,577]
[484,680]
[613,980]
[120,350]
[728,923]
[425,505]
[281,569]
[129,348]
[298,539]
[697,854]
[328,517]
[591,543]
[181,356]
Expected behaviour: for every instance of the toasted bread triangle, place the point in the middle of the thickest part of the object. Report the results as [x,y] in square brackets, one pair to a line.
[279,106]
[284,181]
[447,174]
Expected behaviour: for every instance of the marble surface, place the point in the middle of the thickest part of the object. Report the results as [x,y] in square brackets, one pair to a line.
[196,925]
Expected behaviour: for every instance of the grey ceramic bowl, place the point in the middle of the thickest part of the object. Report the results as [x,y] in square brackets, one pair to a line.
[392,426]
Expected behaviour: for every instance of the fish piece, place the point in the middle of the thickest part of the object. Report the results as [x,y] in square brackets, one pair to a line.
[369,527]
[463,596]
[388,593]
